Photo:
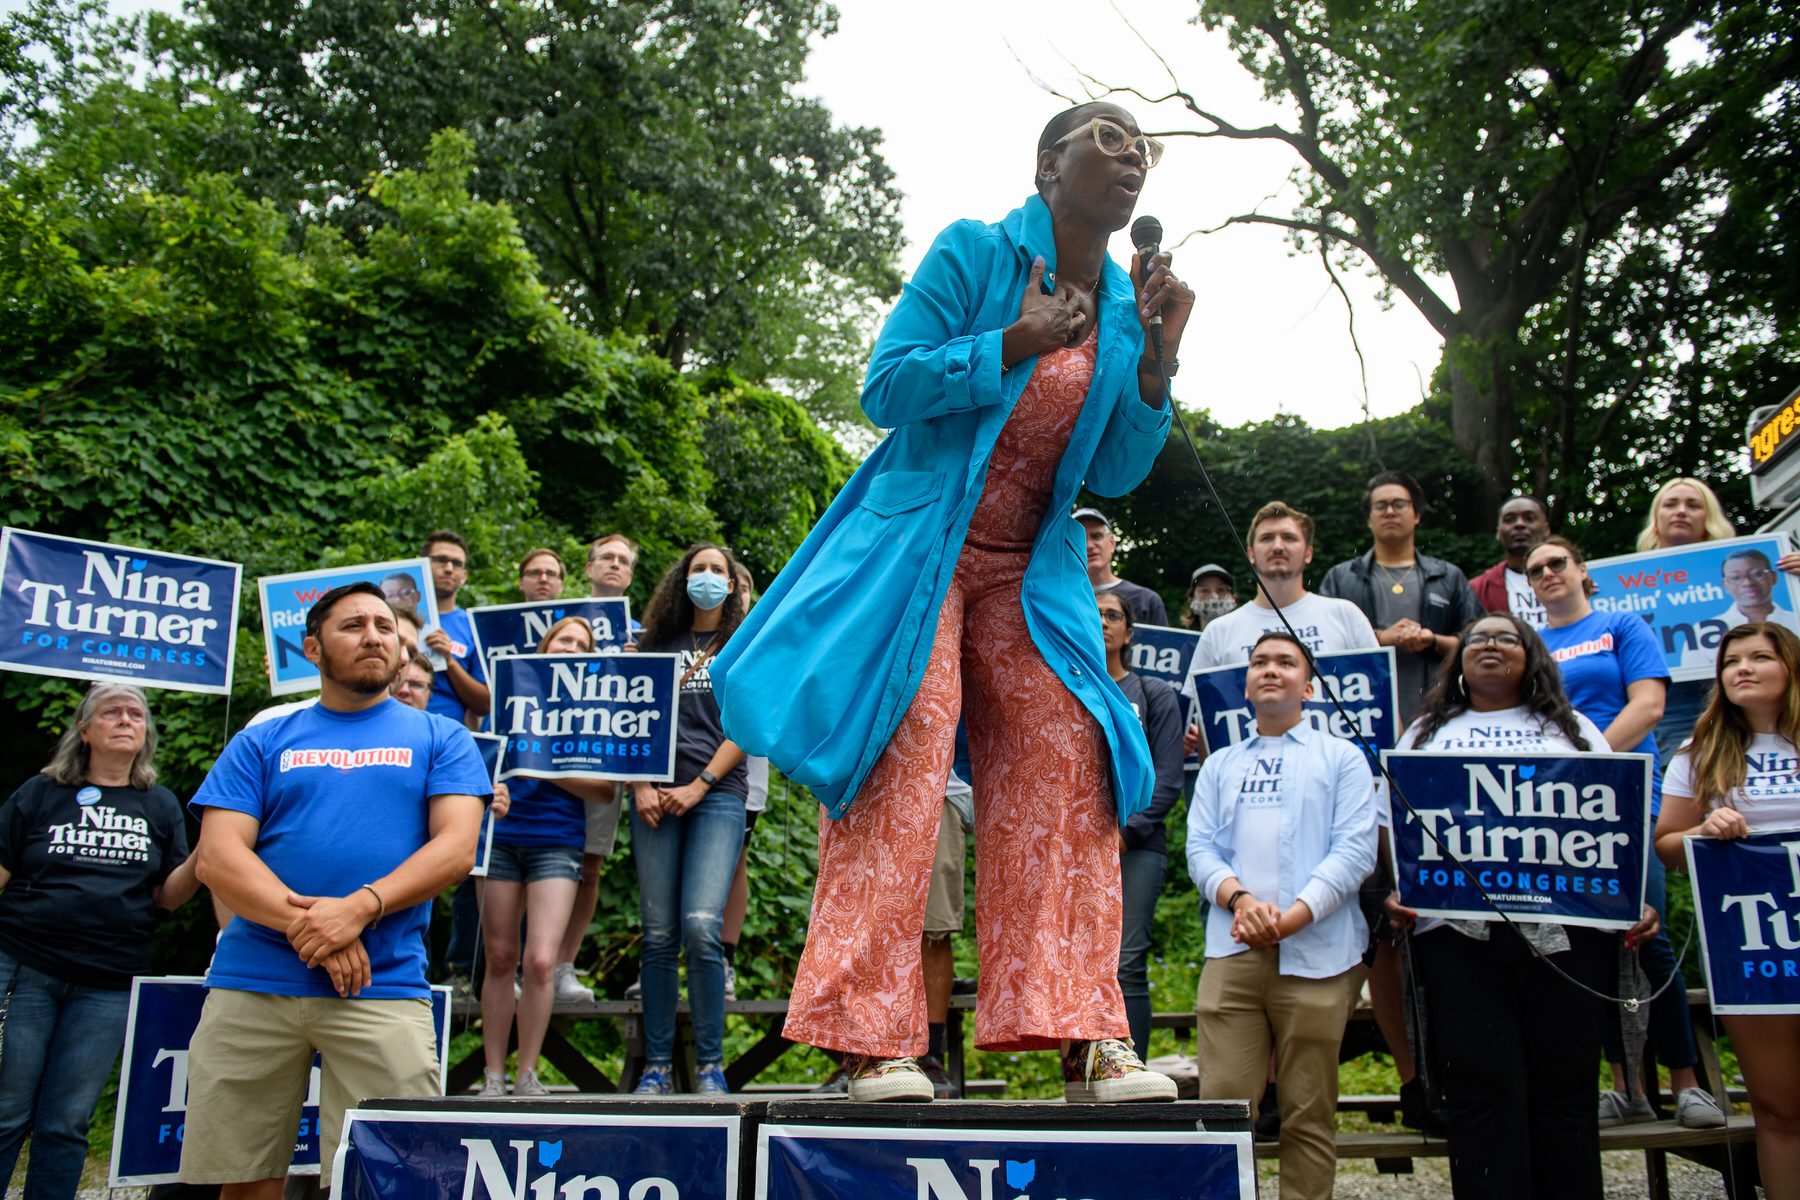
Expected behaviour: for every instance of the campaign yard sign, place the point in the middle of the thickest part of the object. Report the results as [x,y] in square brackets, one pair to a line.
[1362,679]
[491,746]
[800,1162]
[587,716]
[286,598]
[153,1082]
[1166,654]
[486,1154]
[1747,898]
[502,630]
[1549,838]
[1690,595]
[93,610]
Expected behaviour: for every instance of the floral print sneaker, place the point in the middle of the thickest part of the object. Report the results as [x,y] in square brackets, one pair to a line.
[877,1079]
[1108,1071]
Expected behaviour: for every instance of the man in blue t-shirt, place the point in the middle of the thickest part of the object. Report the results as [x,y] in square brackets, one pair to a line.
[460,691]
[327,831]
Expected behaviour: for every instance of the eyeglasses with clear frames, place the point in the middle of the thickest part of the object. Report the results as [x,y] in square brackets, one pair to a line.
[1113,140]
[541,573]
[1505,640]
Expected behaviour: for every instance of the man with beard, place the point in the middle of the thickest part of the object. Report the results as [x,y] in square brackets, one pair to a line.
[1524,522]
[1280,549]
[328,831]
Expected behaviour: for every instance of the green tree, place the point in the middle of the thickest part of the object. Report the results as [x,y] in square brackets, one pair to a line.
[1517,154]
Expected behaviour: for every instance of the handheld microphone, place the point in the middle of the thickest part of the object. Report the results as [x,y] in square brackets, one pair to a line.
[1146,235]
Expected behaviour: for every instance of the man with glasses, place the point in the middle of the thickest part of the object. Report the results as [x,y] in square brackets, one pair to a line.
[1750,578]
[610,563]
[412,686]
[541,575]
[1417,603]
[460,691]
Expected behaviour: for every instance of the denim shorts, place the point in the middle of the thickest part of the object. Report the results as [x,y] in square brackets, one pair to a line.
[528,864]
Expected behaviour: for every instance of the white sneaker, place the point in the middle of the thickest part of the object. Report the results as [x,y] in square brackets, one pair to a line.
[567,986]
[493,1083]
[730,982]
[528,1084]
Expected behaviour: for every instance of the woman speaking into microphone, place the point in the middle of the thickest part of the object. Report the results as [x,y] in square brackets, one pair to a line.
[948,581]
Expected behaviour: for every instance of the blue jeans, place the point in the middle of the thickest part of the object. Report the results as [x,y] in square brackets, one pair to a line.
[1671,1035]
[685,867]
[58,1041]
[1141,874]
[1680,710]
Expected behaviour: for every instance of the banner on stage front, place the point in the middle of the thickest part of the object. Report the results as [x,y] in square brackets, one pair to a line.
[587,716]
[1548,838]
[286,598]
[1747,899]
[818,1162]
[93,610]
[428,1154]
[1362,679]
[153,1082]
[1690,595]
[491,746]
[502,630]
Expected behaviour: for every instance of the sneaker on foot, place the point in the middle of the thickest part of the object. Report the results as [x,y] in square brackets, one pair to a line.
[566,986]
[730,982]
[636,990]
[528,1084]
[493,1083]
[1695,1108]
[710,1080]
[875,1079]
[1108,1071]
[1618,1109]
[658,1079]
[942,1086]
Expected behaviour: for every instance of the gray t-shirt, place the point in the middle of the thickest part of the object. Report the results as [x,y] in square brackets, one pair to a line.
[1412,672]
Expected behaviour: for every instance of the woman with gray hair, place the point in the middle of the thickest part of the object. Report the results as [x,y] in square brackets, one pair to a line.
[90,849]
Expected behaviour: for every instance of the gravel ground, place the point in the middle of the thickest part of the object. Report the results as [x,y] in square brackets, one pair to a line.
[1430,1180]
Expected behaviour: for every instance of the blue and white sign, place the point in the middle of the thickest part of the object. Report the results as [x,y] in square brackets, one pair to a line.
[587,716]
[1747,900]
[502,630]
[1691,595]
[92,610]
[1362,679]
[1166,654]
[491,746]
[495,1155]
[153,1082]
[801,1162]
[286,598]
[1549,838]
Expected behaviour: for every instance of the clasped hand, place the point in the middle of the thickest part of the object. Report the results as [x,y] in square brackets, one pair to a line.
[653,803]
[1256,923]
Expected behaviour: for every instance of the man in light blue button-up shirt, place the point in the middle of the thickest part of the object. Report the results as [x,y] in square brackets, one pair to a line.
[1281,832]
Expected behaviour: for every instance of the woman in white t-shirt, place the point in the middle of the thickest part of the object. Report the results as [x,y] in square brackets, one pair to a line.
[1515,1044]
[1741,775]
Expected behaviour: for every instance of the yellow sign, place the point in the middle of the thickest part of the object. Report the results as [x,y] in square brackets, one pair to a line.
[1776,434]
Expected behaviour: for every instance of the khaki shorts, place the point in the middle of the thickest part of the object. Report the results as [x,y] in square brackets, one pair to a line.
[248,1069]
[603,826]
[944,900]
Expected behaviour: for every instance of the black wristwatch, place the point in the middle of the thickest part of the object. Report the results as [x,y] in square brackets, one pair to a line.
[1168,369]
[709,779]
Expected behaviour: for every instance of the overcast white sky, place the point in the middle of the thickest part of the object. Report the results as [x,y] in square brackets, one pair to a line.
[961,117]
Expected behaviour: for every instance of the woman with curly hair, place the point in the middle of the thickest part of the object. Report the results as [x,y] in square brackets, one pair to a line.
[1741,775]
[1515,1044]
[685,835]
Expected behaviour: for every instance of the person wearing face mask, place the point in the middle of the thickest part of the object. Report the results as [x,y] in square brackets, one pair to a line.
[1212,592]
[686,835]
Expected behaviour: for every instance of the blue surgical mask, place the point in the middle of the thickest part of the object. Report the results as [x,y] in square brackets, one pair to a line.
[707,590]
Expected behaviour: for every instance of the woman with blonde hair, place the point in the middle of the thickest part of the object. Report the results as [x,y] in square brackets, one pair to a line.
[1741,775]
[1683,511]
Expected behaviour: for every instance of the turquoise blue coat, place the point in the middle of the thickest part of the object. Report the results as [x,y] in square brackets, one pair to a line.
[821,671]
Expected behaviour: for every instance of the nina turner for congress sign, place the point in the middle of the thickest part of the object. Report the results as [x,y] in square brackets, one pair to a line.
[1747,898]
[586,716]
[91,610]
[1549,838]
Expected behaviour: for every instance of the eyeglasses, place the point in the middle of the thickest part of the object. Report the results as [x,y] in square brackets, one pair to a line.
[1113,141]
[1556,565]
[1761,575]
[540,573]
[409,685]
[1391,506]
[1506,641]
[444,560]
[1111,616]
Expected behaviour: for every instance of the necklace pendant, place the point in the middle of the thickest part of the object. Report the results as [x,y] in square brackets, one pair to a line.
[1398,589]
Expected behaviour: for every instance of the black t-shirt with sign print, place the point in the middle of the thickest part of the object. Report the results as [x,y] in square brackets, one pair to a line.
[84,861]
[698,729]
